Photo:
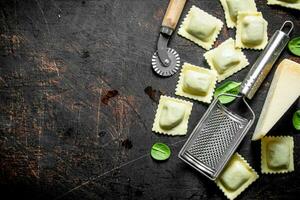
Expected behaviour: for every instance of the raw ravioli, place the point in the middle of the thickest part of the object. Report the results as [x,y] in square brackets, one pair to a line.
[251,31]
[200,27]
[236,177]
[232,7]
[196,83]
[226,59]
[277,154]
[172,116]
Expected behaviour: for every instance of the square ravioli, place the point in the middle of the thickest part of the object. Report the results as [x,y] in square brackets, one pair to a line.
[236,177]
[172,116]
[251,31]
[196,83]
[232,7]
[277,154]
[295,4]
[200,27]
[226,59]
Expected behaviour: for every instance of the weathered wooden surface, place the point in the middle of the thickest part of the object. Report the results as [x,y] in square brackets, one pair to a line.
[75,120]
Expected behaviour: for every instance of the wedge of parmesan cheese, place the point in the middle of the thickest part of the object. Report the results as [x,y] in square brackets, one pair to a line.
[283,92]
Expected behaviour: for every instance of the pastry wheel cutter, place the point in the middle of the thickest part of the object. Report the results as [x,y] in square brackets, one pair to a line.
[166,61]
[222,127]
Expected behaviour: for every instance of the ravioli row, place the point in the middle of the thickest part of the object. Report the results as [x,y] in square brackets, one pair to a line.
[203,29]
[276,158]
[172,114]
[198,83]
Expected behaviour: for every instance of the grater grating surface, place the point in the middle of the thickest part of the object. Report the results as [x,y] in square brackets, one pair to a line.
[214,138]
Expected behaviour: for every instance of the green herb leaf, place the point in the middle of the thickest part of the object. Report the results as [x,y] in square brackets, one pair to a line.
[230,87]
[294,46]
[296,120]
[160,151]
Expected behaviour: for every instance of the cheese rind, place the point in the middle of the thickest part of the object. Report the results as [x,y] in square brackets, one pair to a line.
[283,92]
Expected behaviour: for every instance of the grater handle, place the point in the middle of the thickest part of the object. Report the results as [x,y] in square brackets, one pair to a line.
[266,60]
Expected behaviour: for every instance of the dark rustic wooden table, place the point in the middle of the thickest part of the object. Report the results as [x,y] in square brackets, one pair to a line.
[78,98]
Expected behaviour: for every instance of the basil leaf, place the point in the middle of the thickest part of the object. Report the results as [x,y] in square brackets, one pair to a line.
[294,46]
[230,87]
[160,151]
[296,120]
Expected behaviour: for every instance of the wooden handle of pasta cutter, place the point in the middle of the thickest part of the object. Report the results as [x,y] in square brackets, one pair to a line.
[173,13]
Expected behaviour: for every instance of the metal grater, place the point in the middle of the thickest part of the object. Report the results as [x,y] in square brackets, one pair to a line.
[221,129]
[215,139]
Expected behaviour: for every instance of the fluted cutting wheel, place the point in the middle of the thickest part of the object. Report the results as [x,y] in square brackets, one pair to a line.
[162,70]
